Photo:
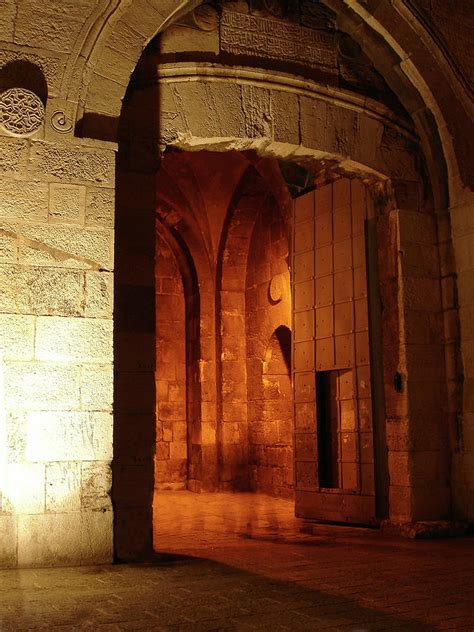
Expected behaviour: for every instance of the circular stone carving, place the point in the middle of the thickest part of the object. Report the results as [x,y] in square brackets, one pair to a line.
[277,288]
[60,122]
[21,111]
[206,17]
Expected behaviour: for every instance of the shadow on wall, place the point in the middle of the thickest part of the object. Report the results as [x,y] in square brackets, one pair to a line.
[23,74]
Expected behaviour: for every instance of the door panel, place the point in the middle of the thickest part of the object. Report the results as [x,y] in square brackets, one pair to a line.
[334,456]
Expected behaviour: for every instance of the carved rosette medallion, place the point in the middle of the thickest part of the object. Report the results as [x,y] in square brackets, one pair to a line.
[21,112]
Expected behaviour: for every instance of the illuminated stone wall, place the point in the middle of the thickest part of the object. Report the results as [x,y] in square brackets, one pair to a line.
[268,324]
[65,69]
[56,343]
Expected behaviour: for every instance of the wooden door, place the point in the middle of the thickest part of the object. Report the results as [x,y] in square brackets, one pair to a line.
[334,454]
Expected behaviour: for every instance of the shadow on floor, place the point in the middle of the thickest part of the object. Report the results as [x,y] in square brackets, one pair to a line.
[181,593]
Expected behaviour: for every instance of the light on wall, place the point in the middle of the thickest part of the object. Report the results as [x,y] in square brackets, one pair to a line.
[3,433]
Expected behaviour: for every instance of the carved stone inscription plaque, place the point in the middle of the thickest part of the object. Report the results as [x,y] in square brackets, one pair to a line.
[243,34]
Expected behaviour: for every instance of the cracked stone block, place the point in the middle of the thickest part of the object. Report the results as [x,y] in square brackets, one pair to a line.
[63,485]
[95,486]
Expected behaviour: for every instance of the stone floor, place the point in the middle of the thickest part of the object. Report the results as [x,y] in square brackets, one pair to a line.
[242,562]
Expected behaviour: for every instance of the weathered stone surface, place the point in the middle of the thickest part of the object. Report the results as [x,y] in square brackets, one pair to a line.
[97,387]
[40,385]
[67,203]
[15,432]
[16,336]
[95,486]
[13,155]
[100,207]
[49,539]
[99,295]
[8,541]
[25,488]
[67,246]
[285,108]
[8,243]
[313,122]
[63,487]
[73,164]
[53,32]
[68,436]
[24,200]
[96,537]
[73,339]
[40,291]
[7,19]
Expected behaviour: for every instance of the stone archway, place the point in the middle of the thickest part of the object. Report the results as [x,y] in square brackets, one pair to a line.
[195,107]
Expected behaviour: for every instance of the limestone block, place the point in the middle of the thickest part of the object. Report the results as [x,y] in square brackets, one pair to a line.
[24,488]
[49,539]
[203,113]
[54,31]
[462,221]
[68,436]
[126,40]
[99,294]
[105,96]
[63,487]
[67,246]
[96,537]
[313,123]
[40,291]
[73,164]
[419,228]
[23,200]
[143,18]
[115,65]
[13,155]
[67,203]
[8,541]
[97,387]
[34,385]
[286,114]
[73,339]
[7,21]
[370,137]
[15,436]
[8,243]
[16,336]
[177,39]
[342,129]
[74,9]
[100,207]
[422,293]
[96,483]
[256,104]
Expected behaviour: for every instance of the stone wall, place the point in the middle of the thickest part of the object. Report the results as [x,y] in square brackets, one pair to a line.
[56,249]
[56,343]
[268,332]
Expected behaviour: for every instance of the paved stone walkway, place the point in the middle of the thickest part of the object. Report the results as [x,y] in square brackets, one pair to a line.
[241,562]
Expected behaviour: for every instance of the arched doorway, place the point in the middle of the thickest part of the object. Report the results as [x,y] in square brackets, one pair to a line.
[282,118]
